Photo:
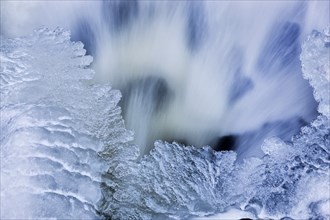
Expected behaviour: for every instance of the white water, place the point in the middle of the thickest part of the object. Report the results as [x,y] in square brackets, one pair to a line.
[193,71]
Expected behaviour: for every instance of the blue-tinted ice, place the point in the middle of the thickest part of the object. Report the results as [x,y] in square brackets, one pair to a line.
[65,152]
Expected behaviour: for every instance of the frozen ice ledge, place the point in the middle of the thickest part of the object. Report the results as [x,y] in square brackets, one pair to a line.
[53,125]
[65,152]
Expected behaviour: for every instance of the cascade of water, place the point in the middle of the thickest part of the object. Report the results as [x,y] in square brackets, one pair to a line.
[225,74]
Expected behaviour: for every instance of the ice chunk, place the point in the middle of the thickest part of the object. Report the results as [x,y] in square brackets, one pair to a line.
[53,124]
[295,180]
[172,181]
[315,58]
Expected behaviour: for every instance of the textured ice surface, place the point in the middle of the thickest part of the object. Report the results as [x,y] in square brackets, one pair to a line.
[316,67]
[52,126]
[64,147]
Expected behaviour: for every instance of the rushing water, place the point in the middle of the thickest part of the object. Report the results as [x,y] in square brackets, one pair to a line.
[225,74]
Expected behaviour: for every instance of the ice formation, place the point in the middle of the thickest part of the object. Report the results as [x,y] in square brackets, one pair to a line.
[52,126]
[65,152]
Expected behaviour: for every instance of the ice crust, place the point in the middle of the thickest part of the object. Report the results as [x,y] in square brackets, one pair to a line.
[316,67]
[53,122]
[65,152]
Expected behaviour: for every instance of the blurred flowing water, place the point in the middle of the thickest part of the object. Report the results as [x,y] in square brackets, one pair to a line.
[225,74]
